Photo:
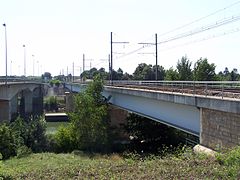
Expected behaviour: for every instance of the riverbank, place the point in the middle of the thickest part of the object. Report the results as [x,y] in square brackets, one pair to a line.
[78,165]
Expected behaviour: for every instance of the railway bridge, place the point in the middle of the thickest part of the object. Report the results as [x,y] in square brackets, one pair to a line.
[209,110]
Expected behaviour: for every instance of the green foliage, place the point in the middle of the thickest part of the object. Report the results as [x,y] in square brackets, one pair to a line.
[148,72]
[88,129]
[228,76]
[23,151]
[203,71]
[63,140]
[171,75]
[89,121]
[8,142]
[150,136]
[78,165]
[55,82]
[30,132]
[231,160]
[184,69]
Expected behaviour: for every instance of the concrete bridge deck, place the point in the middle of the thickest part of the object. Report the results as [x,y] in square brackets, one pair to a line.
[215,119]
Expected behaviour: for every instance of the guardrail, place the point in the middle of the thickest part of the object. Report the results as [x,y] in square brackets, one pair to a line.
[222,89]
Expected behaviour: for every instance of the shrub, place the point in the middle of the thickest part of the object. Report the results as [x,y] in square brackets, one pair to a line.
[30,132]
[23,151]
[231,160]
[63,139]
[8,143]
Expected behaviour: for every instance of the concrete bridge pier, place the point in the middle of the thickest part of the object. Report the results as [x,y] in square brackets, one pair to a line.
[28,101]
[5,113]
[37,101]
[219,129]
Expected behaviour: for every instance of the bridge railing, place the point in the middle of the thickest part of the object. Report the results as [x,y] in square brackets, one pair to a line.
[222,89]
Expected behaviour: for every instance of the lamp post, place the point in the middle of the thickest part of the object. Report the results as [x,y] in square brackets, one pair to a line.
[33,64]
[6,50]
[38,68]
[24,47]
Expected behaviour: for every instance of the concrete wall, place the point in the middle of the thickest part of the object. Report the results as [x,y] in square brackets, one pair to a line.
[219,129]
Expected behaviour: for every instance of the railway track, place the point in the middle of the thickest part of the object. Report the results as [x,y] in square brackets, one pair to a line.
[217,89]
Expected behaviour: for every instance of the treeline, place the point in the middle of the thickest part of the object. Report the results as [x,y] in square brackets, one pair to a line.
[185,70]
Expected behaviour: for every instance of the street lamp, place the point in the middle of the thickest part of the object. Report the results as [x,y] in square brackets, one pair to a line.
[33,64]
[6,50]
[24,47]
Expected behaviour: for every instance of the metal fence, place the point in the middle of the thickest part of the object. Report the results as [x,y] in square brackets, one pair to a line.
[230,89]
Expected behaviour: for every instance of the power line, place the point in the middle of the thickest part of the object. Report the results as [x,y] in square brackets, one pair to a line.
[202,29]
[199,19]
[204,39]
[193,32]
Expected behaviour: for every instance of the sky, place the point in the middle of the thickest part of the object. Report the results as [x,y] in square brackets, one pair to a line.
[56,34]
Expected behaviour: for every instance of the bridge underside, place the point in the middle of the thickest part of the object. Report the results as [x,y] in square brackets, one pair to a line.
[184,117]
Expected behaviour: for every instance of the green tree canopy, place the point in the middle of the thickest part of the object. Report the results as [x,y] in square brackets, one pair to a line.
[171,75]
[89,124]
[184,69]
[203,71]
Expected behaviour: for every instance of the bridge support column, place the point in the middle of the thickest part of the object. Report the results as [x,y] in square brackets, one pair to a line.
[117,118]
[5,114]
[69,101]
[37,101]
[14,107]
[28,100]
[219,129]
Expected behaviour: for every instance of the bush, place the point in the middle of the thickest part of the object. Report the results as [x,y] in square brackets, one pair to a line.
[31,132]
[23,151]
[63,139]
[8,142]
[231,160]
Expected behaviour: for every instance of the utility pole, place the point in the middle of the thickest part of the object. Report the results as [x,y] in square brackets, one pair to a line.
[156,54]
[112,55]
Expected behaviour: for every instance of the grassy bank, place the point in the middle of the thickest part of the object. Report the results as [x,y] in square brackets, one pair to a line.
[72,166]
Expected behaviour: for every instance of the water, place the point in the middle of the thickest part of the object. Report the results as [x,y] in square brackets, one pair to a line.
[53,126]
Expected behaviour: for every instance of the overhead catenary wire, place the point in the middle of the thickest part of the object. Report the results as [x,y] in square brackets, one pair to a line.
[201,18]
[213,25]
[202,29]
[203,39]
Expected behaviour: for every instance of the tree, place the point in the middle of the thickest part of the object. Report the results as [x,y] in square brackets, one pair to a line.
[119,74]
[203,71]
[171,75]
[184,69]
[143,72]
[234,75]
[89,124]
[161,73]
[46,76]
